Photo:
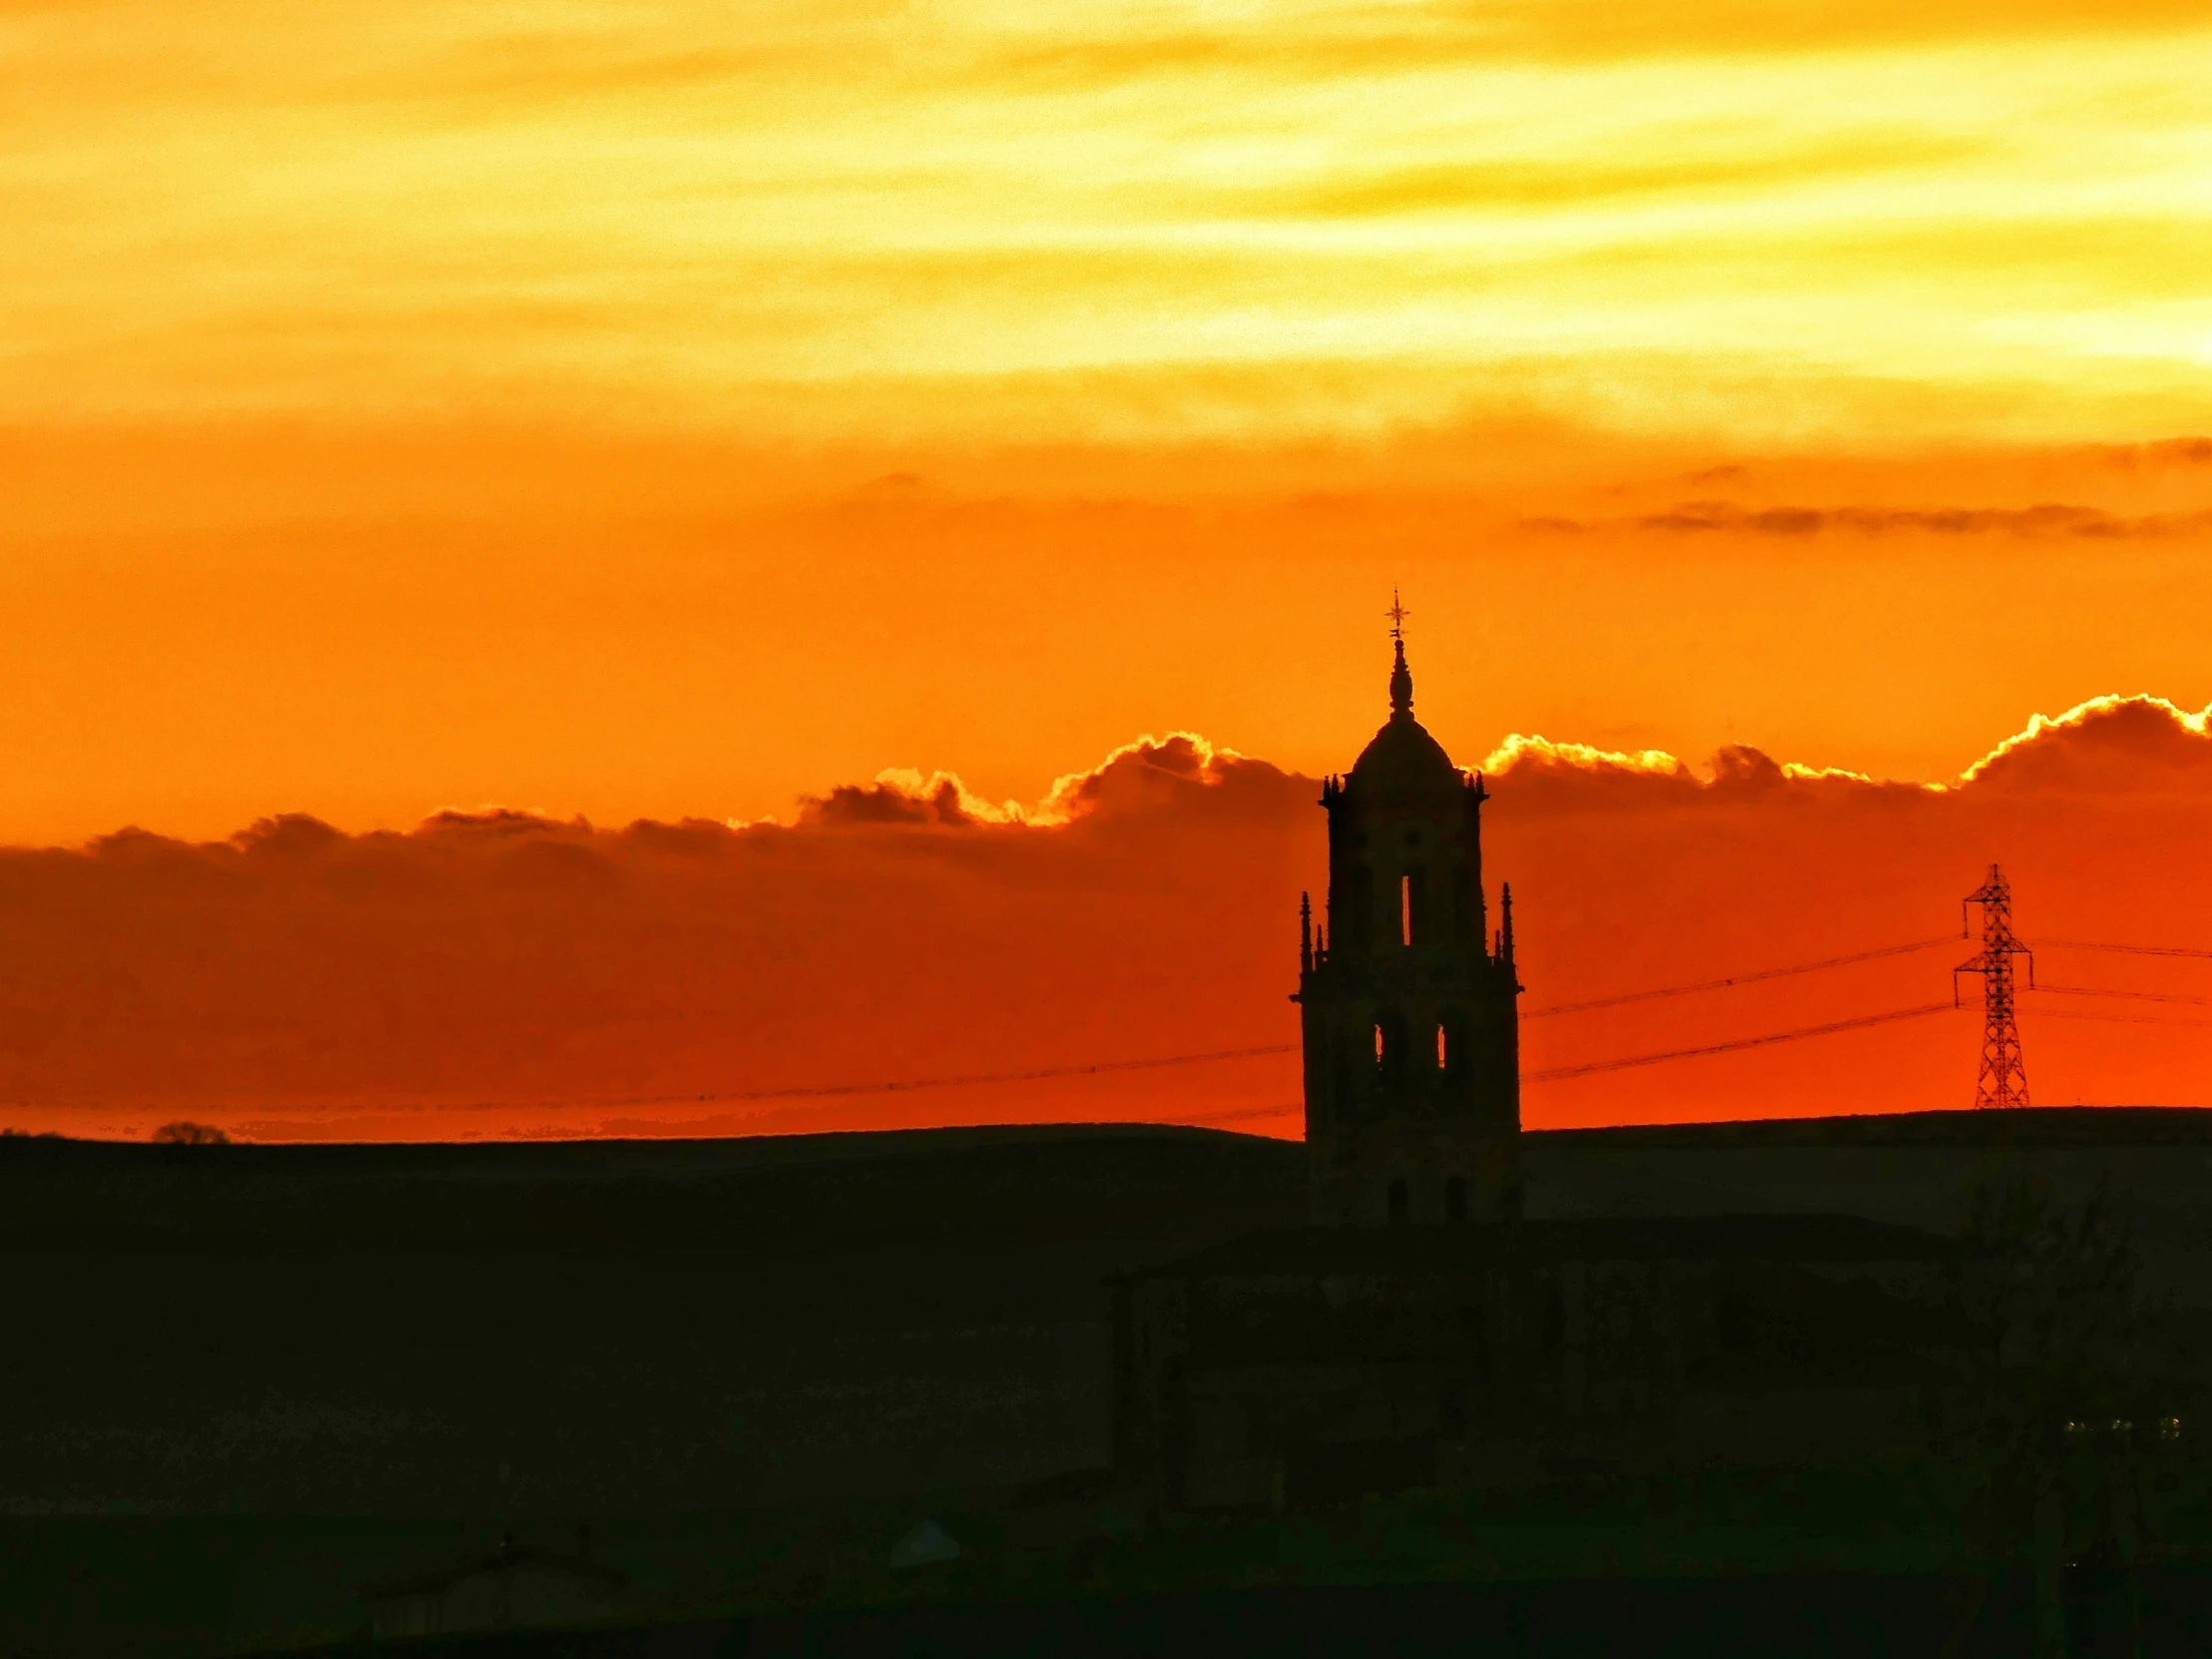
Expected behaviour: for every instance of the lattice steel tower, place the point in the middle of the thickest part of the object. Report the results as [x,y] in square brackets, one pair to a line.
[2003,1078]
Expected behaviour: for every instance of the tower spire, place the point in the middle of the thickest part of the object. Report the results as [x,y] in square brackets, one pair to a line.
[1402,676]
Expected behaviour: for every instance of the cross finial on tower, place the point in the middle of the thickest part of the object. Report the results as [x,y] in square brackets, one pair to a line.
[1401,679]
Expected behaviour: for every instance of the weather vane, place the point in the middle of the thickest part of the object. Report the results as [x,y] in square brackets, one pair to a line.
[1397,614]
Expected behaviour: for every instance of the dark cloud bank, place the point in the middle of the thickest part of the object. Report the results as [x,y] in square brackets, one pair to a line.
[499,972]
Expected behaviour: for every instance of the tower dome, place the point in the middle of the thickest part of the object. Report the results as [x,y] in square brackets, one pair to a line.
[1403,759]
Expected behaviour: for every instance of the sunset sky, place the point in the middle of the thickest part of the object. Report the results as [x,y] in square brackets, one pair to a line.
[686,412]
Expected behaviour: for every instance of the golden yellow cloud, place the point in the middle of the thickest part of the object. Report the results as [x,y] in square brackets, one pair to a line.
[869,220]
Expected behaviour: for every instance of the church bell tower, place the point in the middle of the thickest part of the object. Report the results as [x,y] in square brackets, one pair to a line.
[1408,1000]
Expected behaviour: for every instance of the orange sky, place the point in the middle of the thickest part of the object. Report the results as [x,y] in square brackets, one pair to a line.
[675,413]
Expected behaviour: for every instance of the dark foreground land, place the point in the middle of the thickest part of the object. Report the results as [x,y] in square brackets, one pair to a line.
[241,1382]
[1818,1616]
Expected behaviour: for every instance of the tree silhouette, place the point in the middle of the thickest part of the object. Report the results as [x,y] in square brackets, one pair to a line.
[2061,1372]
[186,1133]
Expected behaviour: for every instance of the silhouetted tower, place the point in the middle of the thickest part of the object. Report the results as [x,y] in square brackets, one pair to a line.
[2003,1077]
[1412,1053]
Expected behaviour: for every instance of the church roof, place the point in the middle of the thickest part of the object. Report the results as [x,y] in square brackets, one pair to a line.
[1391,1250]
[1403,758]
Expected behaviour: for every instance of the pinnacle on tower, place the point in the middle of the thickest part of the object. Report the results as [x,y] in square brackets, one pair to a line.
[2002,1082]
[1401,686]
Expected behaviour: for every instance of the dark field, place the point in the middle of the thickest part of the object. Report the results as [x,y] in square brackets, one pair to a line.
[240,1381]
[1816,1616]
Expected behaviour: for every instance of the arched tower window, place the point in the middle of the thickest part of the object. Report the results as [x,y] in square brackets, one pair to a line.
[1412,904]
[1390,1047]
[1453,1043]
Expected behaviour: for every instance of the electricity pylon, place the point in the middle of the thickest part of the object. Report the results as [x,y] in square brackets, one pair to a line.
[2003,1078]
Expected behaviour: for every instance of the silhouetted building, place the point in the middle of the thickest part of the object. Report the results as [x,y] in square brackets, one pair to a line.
[1418,1330]
[518,1587]
[1412,1056]
[1322,1363]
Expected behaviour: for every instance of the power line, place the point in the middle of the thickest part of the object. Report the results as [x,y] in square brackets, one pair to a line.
[1158,1062]
[1242,1113]
[971,1079]
[2123,1019]
[2132,996]
[1740,978]
[1557,1073]
[2126,950]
